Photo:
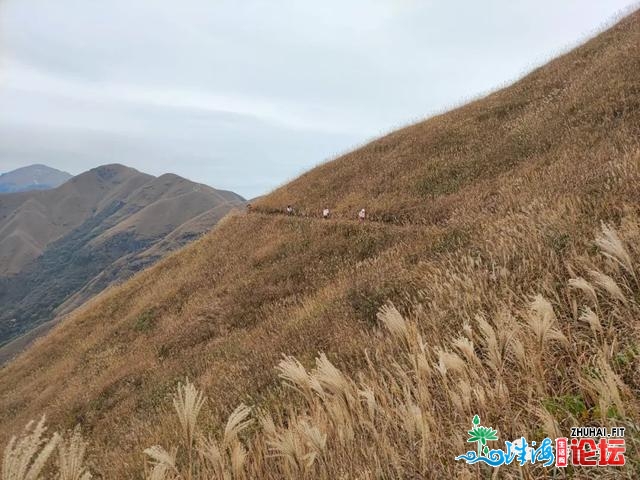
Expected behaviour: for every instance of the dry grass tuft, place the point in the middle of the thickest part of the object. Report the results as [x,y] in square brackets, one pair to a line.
[583,285]
[187,403]
[613,248]
[393,321]
[608,284]
[71,457]
[238,421]
[26,457]
[590,317]
[543,323]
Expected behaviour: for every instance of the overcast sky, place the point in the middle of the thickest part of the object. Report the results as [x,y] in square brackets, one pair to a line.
[246,94]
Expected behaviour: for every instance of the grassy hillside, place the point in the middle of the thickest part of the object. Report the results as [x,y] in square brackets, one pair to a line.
[505,233]
[572,109]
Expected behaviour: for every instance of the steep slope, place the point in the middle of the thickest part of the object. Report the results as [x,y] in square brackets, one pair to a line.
[564,109]
[60,247]
[33,177]
[473,214]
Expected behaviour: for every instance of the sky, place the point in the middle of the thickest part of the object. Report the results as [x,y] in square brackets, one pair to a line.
[246,95]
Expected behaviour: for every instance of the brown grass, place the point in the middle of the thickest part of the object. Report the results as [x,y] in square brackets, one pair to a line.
[27,456]
[510,301]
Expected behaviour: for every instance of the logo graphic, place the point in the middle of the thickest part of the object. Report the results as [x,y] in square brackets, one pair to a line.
[481,435]
[598,447]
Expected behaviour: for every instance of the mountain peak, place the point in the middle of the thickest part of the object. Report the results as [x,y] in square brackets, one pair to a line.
[32,177]
[111,173]
[112,170]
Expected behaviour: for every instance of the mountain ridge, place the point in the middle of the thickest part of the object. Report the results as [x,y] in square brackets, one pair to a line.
[90,232]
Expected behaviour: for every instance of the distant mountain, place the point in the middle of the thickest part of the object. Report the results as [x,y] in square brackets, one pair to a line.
[60,247]
[33,177]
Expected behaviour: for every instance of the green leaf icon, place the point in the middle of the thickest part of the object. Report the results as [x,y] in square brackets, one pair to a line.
[481,435]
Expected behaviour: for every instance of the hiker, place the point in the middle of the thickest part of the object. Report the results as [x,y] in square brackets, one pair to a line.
[326,213]
[249,207]
[289,210]
[362,215]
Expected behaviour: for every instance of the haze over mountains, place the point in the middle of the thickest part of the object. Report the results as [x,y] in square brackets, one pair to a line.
[504,232]
[33,177]
[59,247]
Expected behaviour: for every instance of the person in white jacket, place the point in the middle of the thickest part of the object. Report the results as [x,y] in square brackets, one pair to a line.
[362,215]
[325,213]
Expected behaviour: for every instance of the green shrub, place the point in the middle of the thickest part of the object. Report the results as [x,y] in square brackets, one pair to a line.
[145,322]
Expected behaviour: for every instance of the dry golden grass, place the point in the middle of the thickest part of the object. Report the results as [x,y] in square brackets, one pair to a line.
[27,456]
[499,278]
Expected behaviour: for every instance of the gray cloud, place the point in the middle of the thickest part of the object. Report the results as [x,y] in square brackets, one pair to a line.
[245,95]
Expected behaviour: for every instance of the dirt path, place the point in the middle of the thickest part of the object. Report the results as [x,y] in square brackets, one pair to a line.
[372,219]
